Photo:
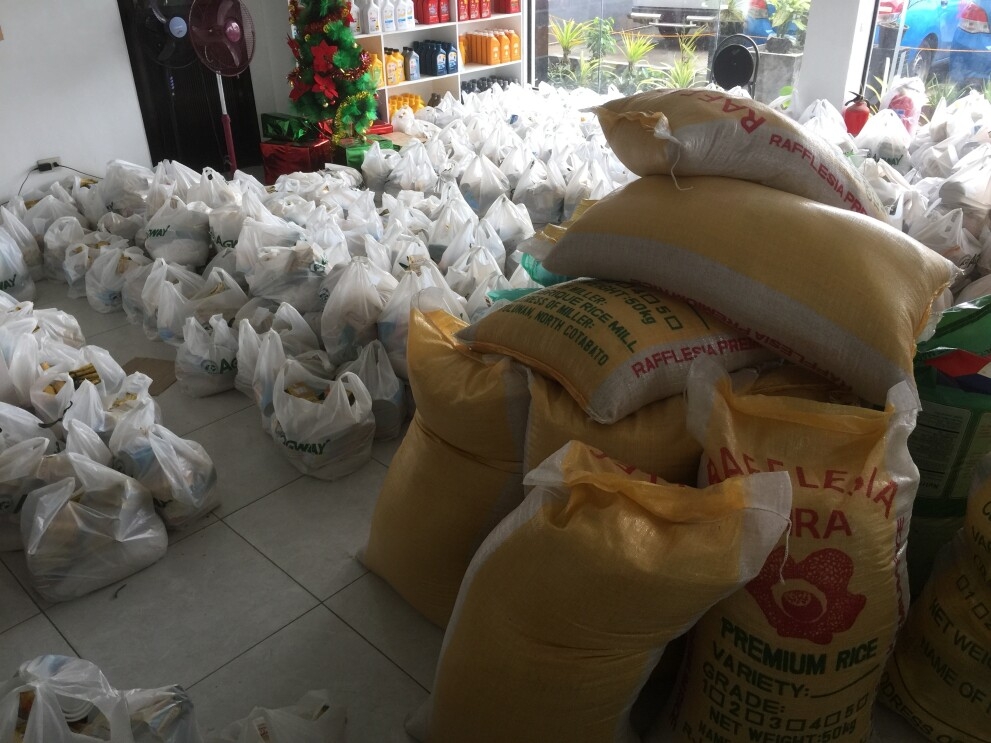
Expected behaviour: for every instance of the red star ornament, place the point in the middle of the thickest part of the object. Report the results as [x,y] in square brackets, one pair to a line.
[325,85]
[323,56]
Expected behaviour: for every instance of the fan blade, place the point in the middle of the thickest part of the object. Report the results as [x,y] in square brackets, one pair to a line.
[157,12]
[225,10]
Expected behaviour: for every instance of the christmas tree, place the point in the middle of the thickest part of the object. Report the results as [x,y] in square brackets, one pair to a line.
[330,84]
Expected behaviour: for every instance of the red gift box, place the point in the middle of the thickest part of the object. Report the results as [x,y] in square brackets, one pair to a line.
[280,158]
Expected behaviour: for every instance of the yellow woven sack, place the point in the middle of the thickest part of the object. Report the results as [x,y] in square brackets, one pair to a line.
[436,506]
[654,439]
[939,677]
[800,651]
[707,132]
[477,403]
[614,345]
[837,292]
[567,606]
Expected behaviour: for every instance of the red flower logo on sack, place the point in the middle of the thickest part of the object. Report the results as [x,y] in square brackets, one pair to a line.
[813,602]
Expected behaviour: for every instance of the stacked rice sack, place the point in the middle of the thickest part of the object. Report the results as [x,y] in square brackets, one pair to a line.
[637,359]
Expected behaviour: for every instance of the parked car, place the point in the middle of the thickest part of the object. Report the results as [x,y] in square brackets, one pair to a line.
[970,59]
[927,34]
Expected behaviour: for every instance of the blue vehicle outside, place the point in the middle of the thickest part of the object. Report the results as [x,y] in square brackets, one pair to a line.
[927,35]
[970,60]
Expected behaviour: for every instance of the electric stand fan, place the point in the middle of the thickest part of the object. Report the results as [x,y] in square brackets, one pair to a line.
[223,36]
[163,34]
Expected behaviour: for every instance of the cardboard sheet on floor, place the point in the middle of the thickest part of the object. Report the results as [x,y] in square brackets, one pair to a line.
[161,371]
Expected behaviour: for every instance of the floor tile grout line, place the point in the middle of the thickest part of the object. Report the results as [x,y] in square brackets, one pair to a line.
[216,420]
[344,588]
[269,559]
[376,647]
[273,490]
[23,589]
[252,647]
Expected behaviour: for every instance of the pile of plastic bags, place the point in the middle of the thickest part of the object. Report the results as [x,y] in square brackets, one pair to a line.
[299,294]
[89,477]
[59,699]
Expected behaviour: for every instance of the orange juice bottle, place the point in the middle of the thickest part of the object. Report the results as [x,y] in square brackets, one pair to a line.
[494,49]
[514,44]
[505,47]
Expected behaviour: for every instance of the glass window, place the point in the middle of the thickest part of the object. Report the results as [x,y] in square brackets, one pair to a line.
[636,45]
[945,42]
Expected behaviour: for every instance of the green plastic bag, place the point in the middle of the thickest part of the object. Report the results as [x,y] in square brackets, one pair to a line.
[953,431]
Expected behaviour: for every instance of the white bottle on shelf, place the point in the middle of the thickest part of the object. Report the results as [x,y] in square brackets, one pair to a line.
[358,15]
[410,15]
[403,16]
[388,16]
[373,18]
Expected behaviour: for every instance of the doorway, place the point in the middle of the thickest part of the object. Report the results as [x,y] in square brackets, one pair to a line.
[180,105]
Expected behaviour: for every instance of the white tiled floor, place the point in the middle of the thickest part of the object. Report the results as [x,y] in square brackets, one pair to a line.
[252,606]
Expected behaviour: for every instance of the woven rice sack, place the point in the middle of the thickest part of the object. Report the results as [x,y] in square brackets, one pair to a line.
[707,132]
[836,292]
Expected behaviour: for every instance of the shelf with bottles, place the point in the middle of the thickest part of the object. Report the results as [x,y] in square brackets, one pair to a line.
[472,67]
[427,81]
[507,18]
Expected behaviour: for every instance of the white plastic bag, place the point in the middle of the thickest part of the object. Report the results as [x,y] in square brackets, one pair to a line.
[179,233]
[48,209]
[352,310]
[130,294]
[18,476]
[589,181]
[271,358]
[376,167]
[220,294]
[83,440]
[89,530]
[482,183]
[177,472]
[185,282]
[516,163]
[388,393]
[106,277]
[133,394]
[541,189]
[454,222]
[296,334]
[393,323]
[225,225]
[213,190]
[125,186]
[885,138]
[292,275]
[17,425]
[315,718]
[15,276]
[206,362]
[473,268]
[51,395]
[60,235]
[125,227]
[25,242]
[35,704]
[413,172]
[248,344]
[479,303]
[327,427]
[942,230]
[511,222]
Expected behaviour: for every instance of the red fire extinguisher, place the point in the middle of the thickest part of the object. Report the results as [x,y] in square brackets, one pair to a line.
[856,113]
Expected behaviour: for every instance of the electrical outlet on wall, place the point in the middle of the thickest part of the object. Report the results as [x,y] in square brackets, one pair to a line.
[49,163]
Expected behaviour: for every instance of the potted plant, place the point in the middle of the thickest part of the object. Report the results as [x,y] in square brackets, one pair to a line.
[781,56]
[569,35]
[789,23]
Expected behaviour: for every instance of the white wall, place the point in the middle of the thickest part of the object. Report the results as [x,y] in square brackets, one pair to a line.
[66,89]
[272,60]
